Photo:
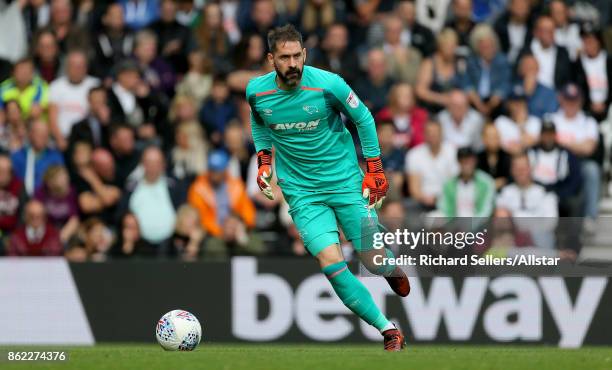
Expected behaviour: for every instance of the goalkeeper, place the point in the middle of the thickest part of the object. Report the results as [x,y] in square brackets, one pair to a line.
[296,109]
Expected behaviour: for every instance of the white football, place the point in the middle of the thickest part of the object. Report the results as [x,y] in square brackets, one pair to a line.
[178,330]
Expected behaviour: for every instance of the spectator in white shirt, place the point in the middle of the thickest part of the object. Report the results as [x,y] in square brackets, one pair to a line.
[68,102]
[513,27]
[579,134]
[554,62]
[461,125]
[594,71]
[429,165]
[567,34]
[532,208]
[519,130]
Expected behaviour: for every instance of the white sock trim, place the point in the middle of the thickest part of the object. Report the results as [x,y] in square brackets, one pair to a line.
[387,327]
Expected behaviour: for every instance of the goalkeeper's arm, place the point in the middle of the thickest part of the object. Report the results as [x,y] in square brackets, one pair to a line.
[263,145]
[374,185]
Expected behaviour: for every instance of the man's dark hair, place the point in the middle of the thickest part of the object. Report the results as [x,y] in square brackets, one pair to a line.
[283,34]
[95,89]
[24,60]
[116,127]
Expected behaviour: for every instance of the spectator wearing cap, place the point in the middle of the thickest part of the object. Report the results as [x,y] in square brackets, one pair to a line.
[36,237]
[428,166]
[555,66]
[578,133]
[487,78]
[153,200]
[519,130]
[594,71]
[113,42]
[461,124]
[557,169]
[131,102]
[32,161]
[514,28]
[222,201]
[541,99]
[493,159]
[68,97]
[567,34]
[469,194]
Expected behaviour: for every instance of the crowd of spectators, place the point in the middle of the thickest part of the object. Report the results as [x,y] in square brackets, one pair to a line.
[124,130]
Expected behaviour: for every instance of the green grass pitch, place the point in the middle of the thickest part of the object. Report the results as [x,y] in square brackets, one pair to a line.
[320,357]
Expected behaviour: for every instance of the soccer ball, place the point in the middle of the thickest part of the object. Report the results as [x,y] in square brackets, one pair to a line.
[178,330]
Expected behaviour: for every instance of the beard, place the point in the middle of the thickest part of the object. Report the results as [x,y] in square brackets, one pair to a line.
[290,78]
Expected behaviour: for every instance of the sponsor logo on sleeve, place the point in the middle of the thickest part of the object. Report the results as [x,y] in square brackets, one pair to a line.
[352,100]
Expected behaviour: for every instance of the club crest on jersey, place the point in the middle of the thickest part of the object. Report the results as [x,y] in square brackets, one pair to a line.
[310,109]
[352,100]
[301,126]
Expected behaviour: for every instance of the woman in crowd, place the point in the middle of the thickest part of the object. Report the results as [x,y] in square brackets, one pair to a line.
[493,159]
[409,119]
[198,80]
[129,241]
[188,156]
[13,132]
[441,73]
[211,36]
[316,17]
[46,56]
[188,236]
[95,240]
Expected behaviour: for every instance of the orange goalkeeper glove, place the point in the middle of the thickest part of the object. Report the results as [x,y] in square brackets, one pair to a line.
[374,186]
[264,173]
